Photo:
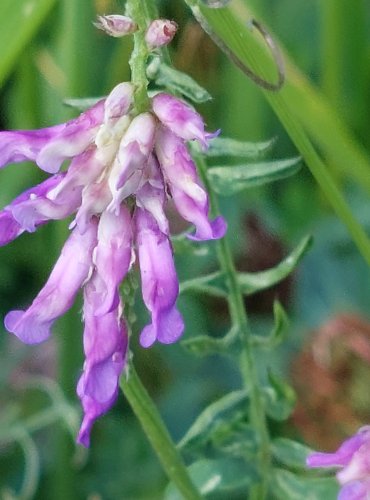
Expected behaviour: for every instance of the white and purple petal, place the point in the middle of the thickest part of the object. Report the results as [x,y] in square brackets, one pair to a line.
[159,282]
[49,147]
[188,194]
[134,149]
[151,195]
[181,119]
[57,296]
[33,208]
[112,256]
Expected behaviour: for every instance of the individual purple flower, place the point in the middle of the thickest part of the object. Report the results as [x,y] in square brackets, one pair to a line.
[160,32]
[105,346]
[353,459]
[49,147]
[56,297]
[181,119]
[159,282]
[190,198]
[123,168]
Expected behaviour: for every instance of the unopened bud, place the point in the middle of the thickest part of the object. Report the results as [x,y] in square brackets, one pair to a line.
[160,32]
[115,25]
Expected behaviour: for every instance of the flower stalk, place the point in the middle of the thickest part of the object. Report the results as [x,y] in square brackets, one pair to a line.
[156,431]
[137,10]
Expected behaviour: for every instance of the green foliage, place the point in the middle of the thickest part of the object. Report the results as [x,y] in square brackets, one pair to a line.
[176,81]
[254,282]
[224,146]
[228,180]
[280,398]
[217,478]
[285,484]
[290,453]
[216,415]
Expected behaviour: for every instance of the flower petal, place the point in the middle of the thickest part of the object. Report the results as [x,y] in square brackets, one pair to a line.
[181,119]
[56,297]
[151,195]
[105,346]
[159,282]
[344,454]
[112,256]
[49,147]
[134,149]
[190,198]
[33,208]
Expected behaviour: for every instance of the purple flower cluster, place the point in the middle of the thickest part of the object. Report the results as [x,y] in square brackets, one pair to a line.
[353,458]
[122,170]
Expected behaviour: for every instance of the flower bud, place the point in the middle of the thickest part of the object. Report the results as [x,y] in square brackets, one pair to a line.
[160,32]
[115,25]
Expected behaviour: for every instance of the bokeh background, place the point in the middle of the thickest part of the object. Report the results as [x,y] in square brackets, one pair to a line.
[57,53]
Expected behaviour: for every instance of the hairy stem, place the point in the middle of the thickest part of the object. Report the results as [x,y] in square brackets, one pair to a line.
[138,10]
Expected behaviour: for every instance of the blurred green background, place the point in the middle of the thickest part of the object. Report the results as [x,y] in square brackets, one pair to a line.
[49,51]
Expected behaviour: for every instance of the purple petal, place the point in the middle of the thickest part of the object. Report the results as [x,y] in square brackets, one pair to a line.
[105,346]
[180,119]
[358,467]
[83,170]
[189,196]
[95,199]
[134,149]
[343,455]
[159,282]
[357,490]
[119,101]
[71,270]
[49,147]
[112,256]
[33,208]
[10,229]
[151,195]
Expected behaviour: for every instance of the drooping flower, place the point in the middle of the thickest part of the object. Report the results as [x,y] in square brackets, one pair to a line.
[353,460]
[123,167]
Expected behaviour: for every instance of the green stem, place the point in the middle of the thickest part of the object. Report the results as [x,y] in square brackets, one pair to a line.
[239,321]
[138,11]
[155,430]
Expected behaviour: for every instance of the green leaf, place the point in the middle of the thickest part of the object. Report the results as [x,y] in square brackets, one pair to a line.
[230,180]
[279,330]
[286,485]
[19,22]
[214,415]
[290,453]
[82,104]
[223,146]
[254,282]
[176,81]
[217,478]
[204,345]
[280,398]
[242,442]
[211,284]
